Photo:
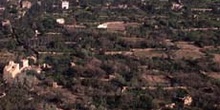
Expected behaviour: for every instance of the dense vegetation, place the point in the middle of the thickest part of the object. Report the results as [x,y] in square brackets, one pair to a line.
[84,70]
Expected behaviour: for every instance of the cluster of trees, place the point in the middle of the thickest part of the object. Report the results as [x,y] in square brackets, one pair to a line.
[199,38]
[91,70]
[128,74]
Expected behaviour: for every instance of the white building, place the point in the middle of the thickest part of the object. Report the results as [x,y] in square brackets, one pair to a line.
[60,21]
[103,26]
[114,26]
[65,5]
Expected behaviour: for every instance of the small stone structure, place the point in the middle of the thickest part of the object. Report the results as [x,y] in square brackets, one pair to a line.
[65,5]
[176,6]
[187,101]
[171,106]
[6,22]
[60,21]
[26,4]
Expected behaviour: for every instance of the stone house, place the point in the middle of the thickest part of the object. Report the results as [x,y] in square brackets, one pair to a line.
[12,71]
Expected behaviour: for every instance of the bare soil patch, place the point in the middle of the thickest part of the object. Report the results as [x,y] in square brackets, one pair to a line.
[149,53]
[216,58]
[155,80]
[215,75]
[187,51]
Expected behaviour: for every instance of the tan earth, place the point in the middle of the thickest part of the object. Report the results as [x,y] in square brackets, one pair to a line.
[215,75]
[187,51]
[153,80]
[216,58]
